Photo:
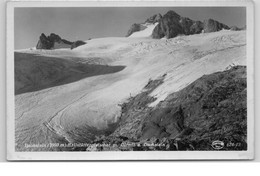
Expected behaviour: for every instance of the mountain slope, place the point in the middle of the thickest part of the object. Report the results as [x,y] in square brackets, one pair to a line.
[34,72]
[171,25]
[212,108]
[74,111]
[144,29]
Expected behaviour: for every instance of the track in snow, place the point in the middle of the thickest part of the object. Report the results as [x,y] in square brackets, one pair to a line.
[70,110]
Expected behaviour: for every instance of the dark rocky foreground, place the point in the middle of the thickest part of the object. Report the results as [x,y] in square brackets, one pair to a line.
[212,108]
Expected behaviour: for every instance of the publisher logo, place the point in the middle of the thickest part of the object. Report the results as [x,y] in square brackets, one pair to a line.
[217,145]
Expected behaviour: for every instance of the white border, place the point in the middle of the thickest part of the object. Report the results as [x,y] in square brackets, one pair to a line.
[147,155]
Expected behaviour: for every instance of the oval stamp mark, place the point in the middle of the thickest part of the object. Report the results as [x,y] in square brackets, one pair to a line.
[217,144]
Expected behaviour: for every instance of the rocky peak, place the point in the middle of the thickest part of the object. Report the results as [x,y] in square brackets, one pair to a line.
[43,36]
[169,26]
[153,19]
[172,24]
[171,14]
[44,42]
[54,38]
[54,41]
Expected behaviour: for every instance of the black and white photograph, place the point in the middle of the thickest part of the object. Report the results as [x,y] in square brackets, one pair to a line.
[129,80]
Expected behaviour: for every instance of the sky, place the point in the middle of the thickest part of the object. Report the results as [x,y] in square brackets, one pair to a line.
[82,23]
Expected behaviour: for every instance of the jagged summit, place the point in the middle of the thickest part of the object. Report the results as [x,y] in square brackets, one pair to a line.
[172,24]
[172,14]
[54,41]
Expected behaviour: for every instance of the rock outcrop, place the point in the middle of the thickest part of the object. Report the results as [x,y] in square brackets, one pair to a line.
[141,26]
[169,26]
[44,42]
[212,108]
[54,41]
[77,43]
[172,24]
[134,28]
[153,19]
[196,27]
[211,25]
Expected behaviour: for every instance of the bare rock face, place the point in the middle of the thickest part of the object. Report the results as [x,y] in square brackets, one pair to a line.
[172,24]
[196,27]
[139,26]
[186,24]
[193,117]
[153,19]
[169,26]
[212,108]
[54,38]
[44,42]
[135,28]
[211,25]
[77,43]
[53,41]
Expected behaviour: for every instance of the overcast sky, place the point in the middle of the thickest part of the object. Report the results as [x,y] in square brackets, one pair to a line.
[94,22]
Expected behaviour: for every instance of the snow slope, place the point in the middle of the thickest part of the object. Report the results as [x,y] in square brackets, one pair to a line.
[147,32]
[69,112]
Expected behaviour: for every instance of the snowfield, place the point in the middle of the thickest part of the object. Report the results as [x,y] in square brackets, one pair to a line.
[147,32]
[69,112]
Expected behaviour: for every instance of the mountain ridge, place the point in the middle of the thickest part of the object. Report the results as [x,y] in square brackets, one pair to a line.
[172,24]
[54,41]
